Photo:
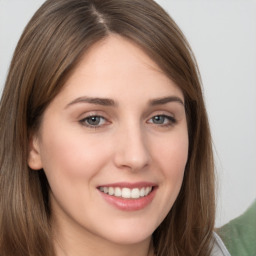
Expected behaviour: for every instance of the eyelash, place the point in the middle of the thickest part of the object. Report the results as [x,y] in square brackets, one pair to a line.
[85,120]
[167,121]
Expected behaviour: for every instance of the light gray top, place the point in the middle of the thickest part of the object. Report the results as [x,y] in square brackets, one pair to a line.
[219,248]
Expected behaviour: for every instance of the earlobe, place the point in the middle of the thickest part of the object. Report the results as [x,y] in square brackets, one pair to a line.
[34,157]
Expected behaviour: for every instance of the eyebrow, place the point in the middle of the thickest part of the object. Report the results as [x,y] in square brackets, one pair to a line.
[96,101]
[112,103]
[165,100]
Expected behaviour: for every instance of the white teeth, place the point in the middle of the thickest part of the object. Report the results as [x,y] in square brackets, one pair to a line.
[148,189]
[111,191]
[126,192]
[135,193]
[142,192]
[118,192]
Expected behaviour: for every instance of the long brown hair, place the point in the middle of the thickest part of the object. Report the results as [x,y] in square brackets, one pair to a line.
[48,50]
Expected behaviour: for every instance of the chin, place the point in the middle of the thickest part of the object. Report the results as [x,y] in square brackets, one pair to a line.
[131,234]
[130,239]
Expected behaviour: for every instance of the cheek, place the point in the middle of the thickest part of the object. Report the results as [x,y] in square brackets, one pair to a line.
[170,157]
[172,153]
[70,163]
[68,156]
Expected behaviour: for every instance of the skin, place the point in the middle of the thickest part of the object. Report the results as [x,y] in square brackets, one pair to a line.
[134,141]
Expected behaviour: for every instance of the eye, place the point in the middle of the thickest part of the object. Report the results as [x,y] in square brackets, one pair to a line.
[163,120]
[93,121]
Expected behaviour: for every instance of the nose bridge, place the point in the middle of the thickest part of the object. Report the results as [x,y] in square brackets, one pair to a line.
[131,149]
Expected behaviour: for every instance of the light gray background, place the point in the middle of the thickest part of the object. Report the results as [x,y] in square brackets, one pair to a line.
[222,34]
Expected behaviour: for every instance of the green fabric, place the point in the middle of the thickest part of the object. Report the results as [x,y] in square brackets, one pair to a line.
[239,235]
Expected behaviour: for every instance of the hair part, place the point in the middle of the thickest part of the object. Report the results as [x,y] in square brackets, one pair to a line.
[51,46]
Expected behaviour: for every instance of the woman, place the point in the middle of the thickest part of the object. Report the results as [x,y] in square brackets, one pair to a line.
[105,143]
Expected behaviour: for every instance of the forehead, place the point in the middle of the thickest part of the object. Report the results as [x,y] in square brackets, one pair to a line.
[114,66]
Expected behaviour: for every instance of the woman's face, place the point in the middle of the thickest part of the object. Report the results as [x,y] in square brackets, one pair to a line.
[113,145]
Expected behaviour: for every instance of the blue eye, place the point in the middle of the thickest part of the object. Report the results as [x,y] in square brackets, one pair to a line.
[93,121]
[163,120]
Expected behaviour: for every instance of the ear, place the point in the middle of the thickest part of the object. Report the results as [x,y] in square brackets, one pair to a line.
[34,157]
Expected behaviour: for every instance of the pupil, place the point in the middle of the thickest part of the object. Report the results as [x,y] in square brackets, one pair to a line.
[94,120]
[158,119]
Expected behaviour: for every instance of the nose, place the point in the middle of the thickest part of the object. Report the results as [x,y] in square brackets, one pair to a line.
[131,149]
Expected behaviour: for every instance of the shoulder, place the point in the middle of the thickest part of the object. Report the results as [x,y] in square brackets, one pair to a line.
[240,233]
[219,248]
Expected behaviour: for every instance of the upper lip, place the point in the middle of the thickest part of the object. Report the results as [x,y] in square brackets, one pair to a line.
[129,185]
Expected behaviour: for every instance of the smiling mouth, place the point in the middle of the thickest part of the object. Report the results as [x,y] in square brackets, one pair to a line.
[127,193]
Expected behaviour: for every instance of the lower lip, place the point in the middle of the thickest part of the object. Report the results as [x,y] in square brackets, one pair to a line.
[130,204]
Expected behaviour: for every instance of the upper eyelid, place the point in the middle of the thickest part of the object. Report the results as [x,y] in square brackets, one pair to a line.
[170,117]
[162,113]
[114,115]
[87,114]
[174,112]
[97,115]
[106,116]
